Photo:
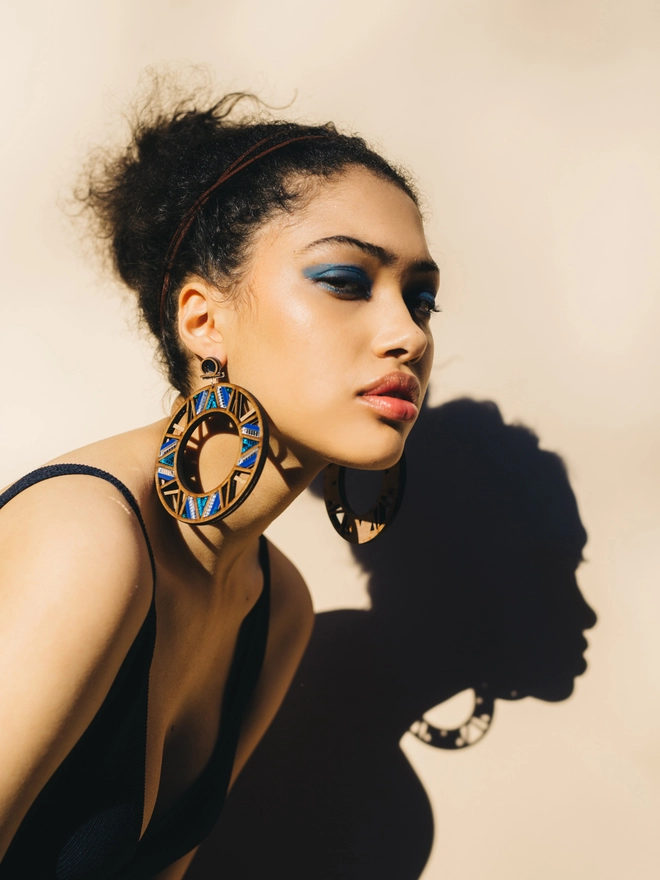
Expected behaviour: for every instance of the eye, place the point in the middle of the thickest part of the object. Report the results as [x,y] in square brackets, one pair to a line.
[423,303]
[346,281]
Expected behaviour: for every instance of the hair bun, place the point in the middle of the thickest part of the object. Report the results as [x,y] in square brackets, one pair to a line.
[139,197]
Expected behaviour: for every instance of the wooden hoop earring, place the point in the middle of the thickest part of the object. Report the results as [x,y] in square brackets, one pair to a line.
[469,733]
[359,529]
[249,420]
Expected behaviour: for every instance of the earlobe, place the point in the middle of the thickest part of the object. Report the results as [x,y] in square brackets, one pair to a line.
[198,325]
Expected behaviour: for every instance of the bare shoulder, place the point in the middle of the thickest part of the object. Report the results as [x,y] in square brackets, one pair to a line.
[79,532]
[73,562]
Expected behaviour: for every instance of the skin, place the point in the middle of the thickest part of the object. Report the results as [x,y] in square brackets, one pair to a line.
[305,348]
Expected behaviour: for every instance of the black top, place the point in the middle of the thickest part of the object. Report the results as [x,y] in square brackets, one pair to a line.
[85,824]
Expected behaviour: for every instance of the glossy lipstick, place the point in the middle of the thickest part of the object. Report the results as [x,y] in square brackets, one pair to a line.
[395,396]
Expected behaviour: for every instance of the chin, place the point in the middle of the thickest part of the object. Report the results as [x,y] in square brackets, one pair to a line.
[554,692]
[549,690]
[367,445]
[373,459]
[376,450]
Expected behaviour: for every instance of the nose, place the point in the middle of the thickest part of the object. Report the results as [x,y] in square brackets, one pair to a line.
[587,615]
[590,617]
[398,335]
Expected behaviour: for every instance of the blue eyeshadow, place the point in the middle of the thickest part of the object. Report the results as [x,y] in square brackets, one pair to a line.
[323,269]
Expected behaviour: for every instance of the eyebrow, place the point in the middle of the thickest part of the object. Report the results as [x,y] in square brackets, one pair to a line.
[387,258]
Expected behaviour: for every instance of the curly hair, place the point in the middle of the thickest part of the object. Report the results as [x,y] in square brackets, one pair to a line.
[138,197]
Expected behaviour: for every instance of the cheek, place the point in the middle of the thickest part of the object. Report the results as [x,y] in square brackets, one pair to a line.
[294,346]
[305,355]
[428,358]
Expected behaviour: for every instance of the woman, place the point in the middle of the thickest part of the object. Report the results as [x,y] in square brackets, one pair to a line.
[287,265]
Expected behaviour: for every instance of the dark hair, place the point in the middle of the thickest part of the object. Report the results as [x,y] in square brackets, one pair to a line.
[139,197]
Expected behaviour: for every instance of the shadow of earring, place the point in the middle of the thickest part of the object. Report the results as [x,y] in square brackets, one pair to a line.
[468,734]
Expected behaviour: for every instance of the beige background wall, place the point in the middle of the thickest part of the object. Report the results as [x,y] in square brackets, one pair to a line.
[533,128]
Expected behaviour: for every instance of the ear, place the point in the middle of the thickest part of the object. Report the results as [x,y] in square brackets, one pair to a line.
[200,320]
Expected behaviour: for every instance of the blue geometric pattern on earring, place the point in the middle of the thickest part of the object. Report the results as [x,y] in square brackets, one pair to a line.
[175,491]
[248,461]
[200,400]
[224,395]
[167,445]
[213,504]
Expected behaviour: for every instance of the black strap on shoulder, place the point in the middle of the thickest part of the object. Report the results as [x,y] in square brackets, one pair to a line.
[65,470]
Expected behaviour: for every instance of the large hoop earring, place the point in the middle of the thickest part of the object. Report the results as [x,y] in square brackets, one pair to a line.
[243,409]
[468,734]
[359,529]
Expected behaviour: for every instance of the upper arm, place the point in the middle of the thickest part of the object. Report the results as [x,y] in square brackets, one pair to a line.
[75,585]
[290,628]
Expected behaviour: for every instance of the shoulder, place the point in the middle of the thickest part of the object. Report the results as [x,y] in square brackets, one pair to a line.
[75,587]
[292,613]
[75,539]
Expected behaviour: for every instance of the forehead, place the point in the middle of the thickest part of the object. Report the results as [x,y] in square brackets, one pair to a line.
[356,204]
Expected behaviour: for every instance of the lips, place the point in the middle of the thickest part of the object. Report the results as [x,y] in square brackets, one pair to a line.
[395,396]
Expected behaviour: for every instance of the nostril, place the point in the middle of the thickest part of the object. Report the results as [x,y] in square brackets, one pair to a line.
[398,353]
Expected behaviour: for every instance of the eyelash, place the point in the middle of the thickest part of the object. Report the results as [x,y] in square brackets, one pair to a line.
[430,304]
[341,282]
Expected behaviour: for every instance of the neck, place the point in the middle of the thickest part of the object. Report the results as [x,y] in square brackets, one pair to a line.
[223,546]
[372,658]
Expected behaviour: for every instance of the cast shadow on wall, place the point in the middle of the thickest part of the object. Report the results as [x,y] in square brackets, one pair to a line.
[473,585]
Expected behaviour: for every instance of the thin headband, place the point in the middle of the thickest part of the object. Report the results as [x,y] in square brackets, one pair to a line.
[186,222]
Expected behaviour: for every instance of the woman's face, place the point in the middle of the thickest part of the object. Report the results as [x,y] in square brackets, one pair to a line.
[331,331]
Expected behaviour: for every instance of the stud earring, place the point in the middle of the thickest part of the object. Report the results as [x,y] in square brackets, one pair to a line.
[359,529]
[469,733]
[248,419]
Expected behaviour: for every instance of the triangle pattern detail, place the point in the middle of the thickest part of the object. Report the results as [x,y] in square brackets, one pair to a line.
[224,395]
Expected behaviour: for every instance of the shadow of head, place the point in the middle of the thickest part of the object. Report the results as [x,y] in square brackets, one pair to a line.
[475,579]
[473,582]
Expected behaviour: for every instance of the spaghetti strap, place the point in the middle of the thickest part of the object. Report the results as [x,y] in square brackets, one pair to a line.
[65,470]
